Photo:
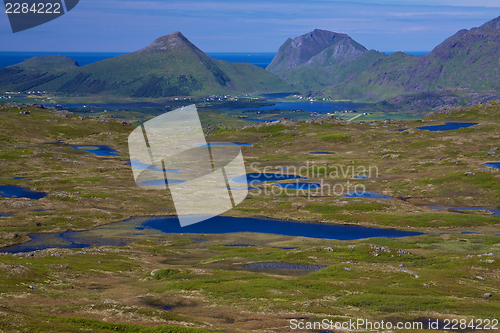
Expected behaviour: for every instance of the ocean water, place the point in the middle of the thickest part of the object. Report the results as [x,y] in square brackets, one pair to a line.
[261,59]
[85,58]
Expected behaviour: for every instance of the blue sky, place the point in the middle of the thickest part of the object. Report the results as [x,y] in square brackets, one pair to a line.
[249,25]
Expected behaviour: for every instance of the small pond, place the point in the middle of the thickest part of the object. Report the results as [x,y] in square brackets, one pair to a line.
[495,212]
[446,127]
[99,150]
[495,165]
[14,191]
[261,177]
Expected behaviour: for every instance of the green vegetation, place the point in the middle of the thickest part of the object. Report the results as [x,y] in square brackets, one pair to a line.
[335,138]
[205,284]
[170,66]
[449,65]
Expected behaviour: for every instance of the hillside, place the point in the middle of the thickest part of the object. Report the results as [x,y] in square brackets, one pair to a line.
[170,66]
[468,59]
[320,59]
[130,276]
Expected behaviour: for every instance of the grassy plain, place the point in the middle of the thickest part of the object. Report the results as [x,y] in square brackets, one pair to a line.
[444,274]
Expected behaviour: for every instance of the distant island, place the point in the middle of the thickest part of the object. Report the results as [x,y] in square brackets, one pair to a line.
[463,70]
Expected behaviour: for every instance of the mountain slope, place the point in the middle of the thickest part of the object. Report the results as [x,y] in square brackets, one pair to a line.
[170,66]
[319,48]
[35,72]
[469,59]
[310,78]
[320,59]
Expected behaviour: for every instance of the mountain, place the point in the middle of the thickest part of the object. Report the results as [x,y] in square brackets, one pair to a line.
[469,59]
[169,66]
[320,59]
[319,48]
[35,72]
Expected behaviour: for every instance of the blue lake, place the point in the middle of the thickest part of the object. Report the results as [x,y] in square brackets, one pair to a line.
[446,127]
[495,212]
[318,107]
[69,239]
[215,225]
[255,178]
[280,265]
[261,119]
[99,150]
[368,195]
[223,144]
[5,215]
[299,186]
[321,152]
[14,191]
[276,95]
[226,224]
[493,165]
[360,177]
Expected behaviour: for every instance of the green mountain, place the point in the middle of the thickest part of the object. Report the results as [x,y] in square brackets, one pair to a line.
[469,59]
[170,66]
[35,72]
[319,48]
[320,59]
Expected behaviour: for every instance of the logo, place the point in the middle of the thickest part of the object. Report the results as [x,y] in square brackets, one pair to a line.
[170,152]
[26,14]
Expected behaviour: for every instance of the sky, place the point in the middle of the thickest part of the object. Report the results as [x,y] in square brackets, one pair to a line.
[249,25]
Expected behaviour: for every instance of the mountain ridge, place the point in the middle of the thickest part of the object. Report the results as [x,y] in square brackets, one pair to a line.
[169,66]
[319,48]
[469,59]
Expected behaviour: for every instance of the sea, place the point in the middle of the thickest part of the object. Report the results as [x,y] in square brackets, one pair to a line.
[262,59]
